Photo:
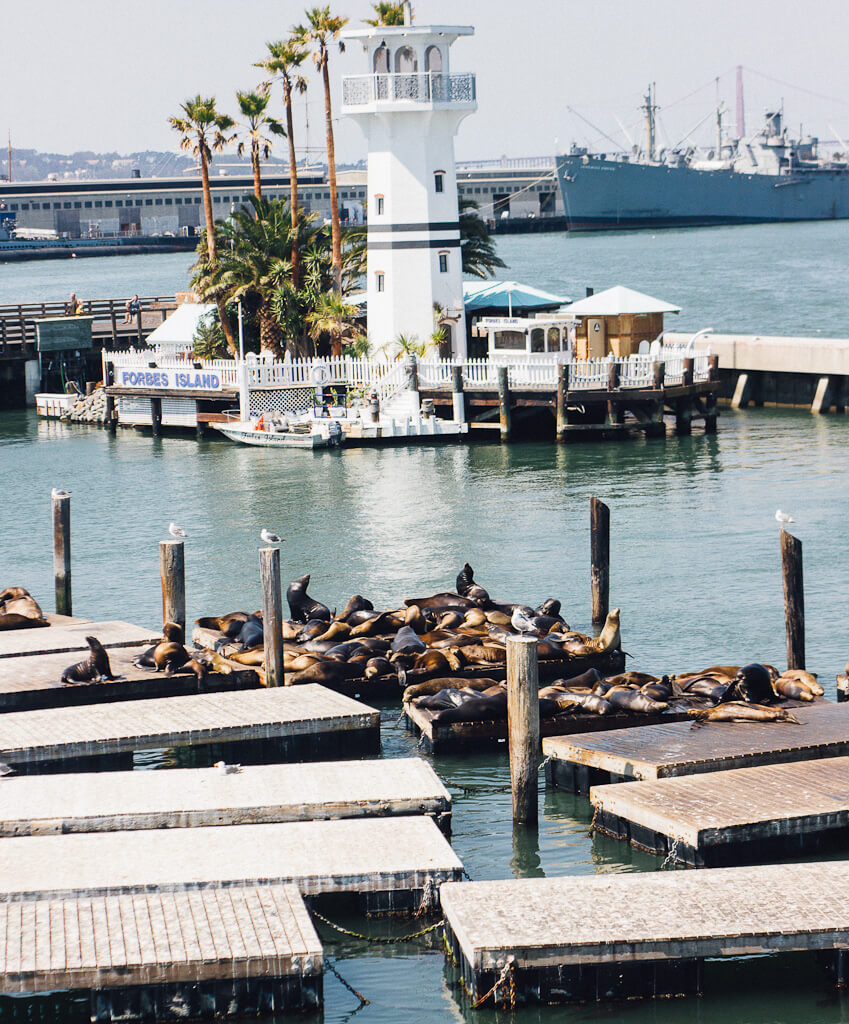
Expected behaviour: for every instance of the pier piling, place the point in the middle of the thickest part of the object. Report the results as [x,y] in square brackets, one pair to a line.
[504,403]
[457,394]
[523,726]
[156,416]
[172,573]
[794,599]
[62,553]
[560,402]
[600,559]
[272,616]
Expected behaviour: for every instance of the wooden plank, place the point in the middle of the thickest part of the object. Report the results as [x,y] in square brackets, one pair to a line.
[193,797]
[359,855]
[20,642]
[30,738]
[549,925]
[34,681]
[659,751]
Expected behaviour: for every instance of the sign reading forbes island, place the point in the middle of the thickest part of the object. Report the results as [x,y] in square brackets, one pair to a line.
[172,380]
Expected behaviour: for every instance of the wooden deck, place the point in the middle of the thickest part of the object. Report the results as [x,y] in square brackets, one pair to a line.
[724,817]
[611,936]
[660,751]
[225,950]
[307,717]
[70,636]
[194,797]
[385,859]
[33,681]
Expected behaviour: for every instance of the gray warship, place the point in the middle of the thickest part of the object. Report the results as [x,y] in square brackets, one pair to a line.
[759,178]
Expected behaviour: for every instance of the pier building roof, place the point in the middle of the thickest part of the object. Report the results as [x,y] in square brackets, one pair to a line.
[620,301]
[179,330]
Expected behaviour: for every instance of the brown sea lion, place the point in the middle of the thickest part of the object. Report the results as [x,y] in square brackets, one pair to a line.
[230,625]
[251,656]
[357,603]
[443,601]
[407,641]
[172,632]
[550,607]
[336,631]
[474,617]
[378,667]
[608,640]
[792,689]
[414,618]
[633,700]
[497,618]
[327,673]
[466,587]
[385,622]
[741,711]
[591,702]
[480,654]
[302,607]
[588,678]
[437,661]
[445,683]
[476,709]
[807,679]
[169,656]
[95,667]
[20,610]
[450,620]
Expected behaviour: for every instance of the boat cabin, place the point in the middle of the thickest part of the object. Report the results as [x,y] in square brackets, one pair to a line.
[618,321]
[534,339]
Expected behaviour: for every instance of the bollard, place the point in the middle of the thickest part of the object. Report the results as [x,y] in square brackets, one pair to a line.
[504,403]
[600,559]
[457,394]
[172,575]
[561,421]
[794,599]
[272,616]
[156,417]
[713,368]
[62,553]
[687,375]
[523,726]
[110,416]
[658,375]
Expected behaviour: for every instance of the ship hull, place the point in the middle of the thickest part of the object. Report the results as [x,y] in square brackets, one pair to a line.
[605,195]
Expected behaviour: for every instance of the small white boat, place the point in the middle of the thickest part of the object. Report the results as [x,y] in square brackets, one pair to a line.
[281,432]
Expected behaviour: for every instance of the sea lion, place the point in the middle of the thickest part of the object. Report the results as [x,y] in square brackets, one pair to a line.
[591,702]
[172,632]
[497,618]
[230,624]
[656,691]
[437,661]
[345,651]
[302,607]
[20,610]
[588,678]
[95,667]
[357,603]
[476,709]
[250,635]
[442,699]
[792,689]
[407,641]
[466,587]
[336,631]
[378,667]
[550,607]
[328,673]
[450,620]
[251,656]
[480,654]
[751,684]
[313,629]
[414,618]
[443,602]
[385,622]
[445,683]
[170,656]
[633,700]
[741,711]
[807,679]
[474,617]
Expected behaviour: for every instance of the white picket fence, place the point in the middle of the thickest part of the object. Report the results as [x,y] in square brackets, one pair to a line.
[384,377]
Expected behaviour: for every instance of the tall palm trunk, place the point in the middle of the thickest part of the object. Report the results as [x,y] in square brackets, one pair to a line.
[335,226]
[270,335]
[256,170]
[212,251]
[293,181]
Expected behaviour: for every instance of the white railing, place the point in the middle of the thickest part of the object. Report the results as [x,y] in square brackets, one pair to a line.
[427,87]
[384,377]
[166,359]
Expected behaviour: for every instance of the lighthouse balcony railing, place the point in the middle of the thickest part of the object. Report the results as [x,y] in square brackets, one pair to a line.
[425,87]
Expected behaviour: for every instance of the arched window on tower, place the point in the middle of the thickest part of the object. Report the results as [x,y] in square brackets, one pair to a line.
[433,59]
[406,62]
[381,60]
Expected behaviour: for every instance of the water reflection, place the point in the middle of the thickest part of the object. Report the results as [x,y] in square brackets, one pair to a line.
[526,861]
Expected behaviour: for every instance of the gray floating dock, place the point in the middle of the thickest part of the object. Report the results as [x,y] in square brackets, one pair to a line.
[36,805]
[659,751]
[307,718]
[70,636]
[34,681]
[723,817]
[387,860]
[587,938]
[210,952]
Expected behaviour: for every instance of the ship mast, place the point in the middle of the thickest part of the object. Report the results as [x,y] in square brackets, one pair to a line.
[10,157]
[649,108]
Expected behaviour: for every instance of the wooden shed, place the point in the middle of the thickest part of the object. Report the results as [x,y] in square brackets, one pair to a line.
[617,321]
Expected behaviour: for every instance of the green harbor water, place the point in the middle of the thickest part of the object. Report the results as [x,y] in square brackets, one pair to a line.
[695,559]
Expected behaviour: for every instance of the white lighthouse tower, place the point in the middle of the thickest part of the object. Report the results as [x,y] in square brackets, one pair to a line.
[410,106]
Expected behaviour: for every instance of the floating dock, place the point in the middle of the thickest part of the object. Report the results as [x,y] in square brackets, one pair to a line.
[207,953]
[70,636]
[303,720]
[613,936]
[578,762]
[388,862]
[34,681]
[722,818]
[193,797]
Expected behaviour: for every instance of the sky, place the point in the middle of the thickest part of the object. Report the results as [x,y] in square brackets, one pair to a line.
[106,74]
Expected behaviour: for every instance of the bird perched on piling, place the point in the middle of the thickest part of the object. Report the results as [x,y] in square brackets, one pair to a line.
[783,518]
[57,492]
[270,538]
[177,531]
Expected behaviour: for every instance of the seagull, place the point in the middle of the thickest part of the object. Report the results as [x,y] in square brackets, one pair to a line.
[176,531]
[520,621]
[227,769]
[782,517]
[5,770]
[57,492]
[270,538]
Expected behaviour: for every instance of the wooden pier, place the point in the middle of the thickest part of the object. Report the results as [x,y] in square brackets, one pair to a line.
[612,936]
[68,635]
[195,797]
[722,818]
[578,762]
[213,952]
[387,862]
[304,720]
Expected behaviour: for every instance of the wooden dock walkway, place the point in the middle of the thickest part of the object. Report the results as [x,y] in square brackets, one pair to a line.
[208,952]
[193,797]
[388,861]
[301,719]
[659,751]
[612,936]
[70,636]
[721,818]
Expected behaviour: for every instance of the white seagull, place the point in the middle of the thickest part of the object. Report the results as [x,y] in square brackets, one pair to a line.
[521,623]
[177,531]
[227,769]
[270,538]
[782,517]
[5,770]
[57,492]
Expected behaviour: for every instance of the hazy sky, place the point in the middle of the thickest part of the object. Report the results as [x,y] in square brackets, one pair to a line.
[106,74]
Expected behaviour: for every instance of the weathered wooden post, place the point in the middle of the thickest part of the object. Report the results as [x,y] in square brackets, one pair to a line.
[109,416]
[794,599]
[172,575]
[523,726]
[600,559]
[687,375]
[272,616]
[561,424]
[156,417]
[457,394]
[504,402]
[659,375]
[62,553]
[713,368]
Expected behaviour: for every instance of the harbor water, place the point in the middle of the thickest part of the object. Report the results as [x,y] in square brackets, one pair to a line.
[695,562]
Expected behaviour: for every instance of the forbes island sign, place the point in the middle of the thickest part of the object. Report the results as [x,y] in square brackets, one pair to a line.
[170,380]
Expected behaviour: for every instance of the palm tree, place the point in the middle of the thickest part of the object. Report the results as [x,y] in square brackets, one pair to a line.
[253,106]
[333,317]
[476,246]
[284,58]
[322,29]
[203,131]
[387,14]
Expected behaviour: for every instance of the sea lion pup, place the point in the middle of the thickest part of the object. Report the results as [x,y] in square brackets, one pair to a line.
[466,587]
[172,632]
[751,684]
[357,603]
[230,625]
[95,667]
[301,606]
[741,711]
[169,656]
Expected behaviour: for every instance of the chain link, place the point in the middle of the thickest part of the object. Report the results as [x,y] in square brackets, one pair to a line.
[379,939]
[672,856]
[506,975]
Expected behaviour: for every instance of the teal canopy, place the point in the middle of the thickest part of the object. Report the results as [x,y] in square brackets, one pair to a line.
[512,297]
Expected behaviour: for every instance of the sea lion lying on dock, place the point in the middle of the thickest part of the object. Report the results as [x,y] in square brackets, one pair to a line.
[752,684]
[172,632]
[94,668]
[741,711]
[230,624]
[20,610]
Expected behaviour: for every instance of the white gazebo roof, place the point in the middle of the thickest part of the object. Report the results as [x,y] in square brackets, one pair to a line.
[618,301]
[179,330]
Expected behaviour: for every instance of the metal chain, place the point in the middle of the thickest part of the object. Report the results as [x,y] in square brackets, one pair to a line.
[348,986]
[671,857]
[380,940]
[505,975]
